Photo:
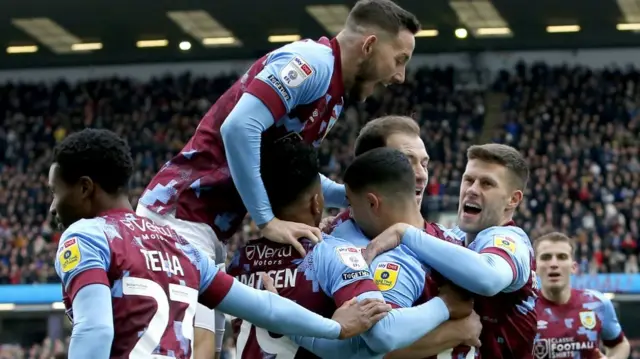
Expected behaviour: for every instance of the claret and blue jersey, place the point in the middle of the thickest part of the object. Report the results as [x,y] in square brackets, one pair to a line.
[295,91]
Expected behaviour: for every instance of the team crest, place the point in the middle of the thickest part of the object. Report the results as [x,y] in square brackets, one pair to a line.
[588,319]
[505,243]
[69,255]
[386,275]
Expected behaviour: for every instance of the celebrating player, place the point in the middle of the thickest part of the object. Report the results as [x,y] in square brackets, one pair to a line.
[499,267]
[403,133]
[131,286]
[332,273]
[297,90]
[572,322]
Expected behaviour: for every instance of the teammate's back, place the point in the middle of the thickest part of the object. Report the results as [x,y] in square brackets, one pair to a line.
[153,276]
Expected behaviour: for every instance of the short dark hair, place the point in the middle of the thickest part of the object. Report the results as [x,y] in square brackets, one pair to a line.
[555,237]
[385,169]
[504,155]
[384,14]
[376,132]
[98,154]
[288,170]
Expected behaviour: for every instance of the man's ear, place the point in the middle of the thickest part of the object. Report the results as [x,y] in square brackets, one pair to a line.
[87,187]
[368,44]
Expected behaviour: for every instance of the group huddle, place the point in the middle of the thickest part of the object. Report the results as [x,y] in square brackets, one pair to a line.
[377,281]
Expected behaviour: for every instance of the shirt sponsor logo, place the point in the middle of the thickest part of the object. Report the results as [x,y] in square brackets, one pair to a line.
[278,85]
[260,255]
[70,256]
[386,275]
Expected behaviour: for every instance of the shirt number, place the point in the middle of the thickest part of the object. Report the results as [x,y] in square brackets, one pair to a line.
[150,340]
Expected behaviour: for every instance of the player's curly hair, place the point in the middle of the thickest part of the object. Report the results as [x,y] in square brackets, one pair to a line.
[288,170]
[98,154]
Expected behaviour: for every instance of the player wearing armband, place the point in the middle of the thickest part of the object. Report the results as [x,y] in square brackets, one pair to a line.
[498,264]
[333,272]
[572,322]
[131,286]
[296,91]
[403,134]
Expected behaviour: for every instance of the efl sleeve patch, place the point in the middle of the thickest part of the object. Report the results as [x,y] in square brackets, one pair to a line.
[386,275]
[296,72]
[351,257]
[69,254]
[505,243]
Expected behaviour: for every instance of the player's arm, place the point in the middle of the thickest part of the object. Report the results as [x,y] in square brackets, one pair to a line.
[82,263]
[346,276]
[446,336]
[335,194]
[267,99]
[263,309]
[495,268]
[613,337]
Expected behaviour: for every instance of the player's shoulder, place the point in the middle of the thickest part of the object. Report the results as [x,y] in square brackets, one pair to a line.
[444,233]
[509,233]
[586,296]
[90,230]
[330,242]
[308,49]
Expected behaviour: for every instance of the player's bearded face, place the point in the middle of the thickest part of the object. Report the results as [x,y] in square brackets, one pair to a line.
[484,196]
[67,206]
[555,264]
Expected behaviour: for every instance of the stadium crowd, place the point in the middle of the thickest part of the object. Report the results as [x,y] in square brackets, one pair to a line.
[579,129]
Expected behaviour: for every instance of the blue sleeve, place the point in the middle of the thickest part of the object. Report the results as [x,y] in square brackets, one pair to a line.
[399,329]
[275,313]
[401,280]
[338,264]
[514,247]
[299,73]
[242,135]
[334,193]
[93,331]
[611,328]
[484,274]
[83,246]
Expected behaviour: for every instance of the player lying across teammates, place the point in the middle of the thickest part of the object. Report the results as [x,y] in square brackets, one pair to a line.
[298,90]
[131,286]
[332,273]
[572,322]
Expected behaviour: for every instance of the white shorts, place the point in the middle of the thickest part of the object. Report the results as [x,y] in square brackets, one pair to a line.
[200,236]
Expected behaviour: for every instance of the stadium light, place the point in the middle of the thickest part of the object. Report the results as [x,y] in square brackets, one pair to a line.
[628,27]
[563,28]
[185,45]
[427,33]
[88,46]
[461,33]
[284,38]
[22,49]
[331,17]
[493,31]
[203,27]
[152,43]
[48,33]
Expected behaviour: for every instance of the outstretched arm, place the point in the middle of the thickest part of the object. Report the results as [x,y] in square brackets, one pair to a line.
[334,193]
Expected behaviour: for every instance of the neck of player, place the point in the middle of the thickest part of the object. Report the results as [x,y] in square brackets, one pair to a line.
[408,213]
[348,59]
[110,203]
[557,295]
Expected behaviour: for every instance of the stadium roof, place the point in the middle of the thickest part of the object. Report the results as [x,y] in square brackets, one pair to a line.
[74,32]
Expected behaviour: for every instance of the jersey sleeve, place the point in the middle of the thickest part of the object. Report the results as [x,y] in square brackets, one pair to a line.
[513,247]
[215,284]
[612,334]
[341,271]
[83,257]
[293,75]
[401,283]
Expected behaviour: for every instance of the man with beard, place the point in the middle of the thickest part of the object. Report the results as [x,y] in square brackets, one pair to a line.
[296,91]
[572,322]
[498,262]
[131,286]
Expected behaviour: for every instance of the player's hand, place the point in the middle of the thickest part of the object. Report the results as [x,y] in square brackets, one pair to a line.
[458,301]
[387,240]
[325,224]
[470,328]
[289,232]
[357,317]
[598,355]
[268,283]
